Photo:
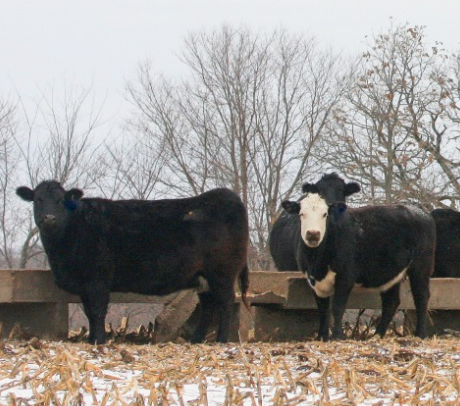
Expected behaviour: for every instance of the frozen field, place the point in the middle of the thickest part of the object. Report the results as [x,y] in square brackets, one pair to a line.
[394,371]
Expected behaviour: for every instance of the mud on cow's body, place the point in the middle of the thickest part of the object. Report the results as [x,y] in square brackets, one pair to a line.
[373,246]
[97,246]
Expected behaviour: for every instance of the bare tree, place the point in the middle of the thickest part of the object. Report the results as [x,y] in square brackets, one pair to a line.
[60,140]
[57,141]
[129,169]
[439,135]
[383,135]
[8,176]
[247,116]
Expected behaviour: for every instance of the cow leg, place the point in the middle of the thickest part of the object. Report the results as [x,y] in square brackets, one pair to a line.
[390,303]
[339,305]
[225,318]
[420,287]
[207,303]
[95,301]
[211,303]
[323,314]
[218,300]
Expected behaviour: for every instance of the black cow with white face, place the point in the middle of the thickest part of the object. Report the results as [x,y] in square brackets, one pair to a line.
[447,258]
[283,233]
[97,246]
[375,247]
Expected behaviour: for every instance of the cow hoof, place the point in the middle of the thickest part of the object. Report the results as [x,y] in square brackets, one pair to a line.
[95,341]
[379,335]
[421,335]
[338,336]
[196,340]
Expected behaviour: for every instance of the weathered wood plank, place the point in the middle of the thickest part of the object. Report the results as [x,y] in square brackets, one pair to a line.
[281,300]
[445,295]
[37,286]
[6,287]
[300,296]
[288,288]
[276,282]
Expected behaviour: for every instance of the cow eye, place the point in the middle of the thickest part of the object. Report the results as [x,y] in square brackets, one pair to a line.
[324,215]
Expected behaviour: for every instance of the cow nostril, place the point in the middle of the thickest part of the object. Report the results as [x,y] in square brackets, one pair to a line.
[48,218]
[312,238]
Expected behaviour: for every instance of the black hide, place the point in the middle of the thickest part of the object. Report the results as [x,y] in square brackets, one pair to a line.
[447,258]
[97,246]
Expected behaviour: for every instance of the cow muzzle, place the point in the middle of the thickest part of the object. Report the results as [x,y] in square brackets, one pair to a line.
[48,220]
[312,238]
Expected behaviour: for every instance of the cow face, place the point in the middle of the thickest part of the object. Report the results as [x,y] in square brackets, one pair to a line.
[313,212]
[52,204]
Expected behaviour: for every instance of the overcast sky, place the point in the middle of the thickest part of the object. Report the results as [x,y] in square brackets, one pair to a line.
[46,41]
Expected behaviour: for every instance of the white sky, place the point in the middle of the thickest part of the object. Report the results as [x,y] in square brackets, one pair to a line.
[46,41]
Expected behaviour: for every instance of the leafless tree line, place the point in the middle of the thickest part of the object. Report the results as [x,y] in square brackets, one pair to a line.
[396,132]
[258,113]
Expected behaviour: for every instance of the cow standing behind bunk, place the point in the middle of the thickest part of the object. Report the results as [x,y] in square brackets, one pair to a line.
[97,246]
[373,246]
[447,257]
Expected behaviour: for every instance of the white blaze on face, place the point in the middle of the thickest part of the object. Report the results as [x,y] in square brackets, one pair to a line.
[313,216]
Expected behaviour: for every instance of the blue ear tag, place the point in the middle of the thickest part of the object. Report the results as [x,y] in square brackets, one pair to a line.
[338,211]
[71,204]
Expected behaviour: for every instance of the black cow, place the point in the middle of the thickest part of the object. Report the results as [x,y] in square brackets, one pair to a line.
[447,258]
[372,246]
[97,246]
[285,228]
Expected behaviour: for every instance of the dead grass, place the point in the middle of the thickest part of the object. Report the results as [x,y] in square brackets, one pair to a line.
[393,371]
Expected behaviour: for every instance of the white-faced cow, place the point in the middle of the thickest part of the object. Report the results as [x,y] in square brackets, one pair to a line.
[283,233]
[372,246]
[97,246]
[447,258]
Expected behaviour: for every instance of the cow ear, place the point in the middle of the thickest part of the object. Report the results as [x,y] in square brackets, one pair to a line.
[351,188]
[25,193]
[309,188]
[337,209]
[291,207]
[73,194]
[71,199]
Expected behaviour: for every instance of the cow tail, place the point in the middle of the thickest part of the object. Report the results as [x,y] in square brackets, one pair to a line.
[243,281]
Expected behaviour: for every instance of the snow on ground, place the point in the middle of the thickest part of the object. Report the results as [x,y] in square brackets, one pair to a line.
[394,371]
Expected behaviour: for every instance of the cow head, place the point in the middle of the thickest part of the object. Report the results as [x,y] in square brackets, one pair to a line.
[313,212]
[52,204]
[332,187]
[325,199]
